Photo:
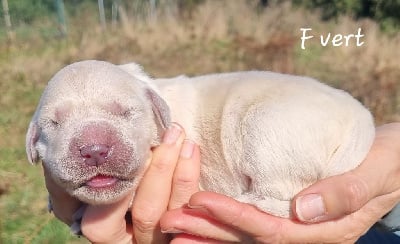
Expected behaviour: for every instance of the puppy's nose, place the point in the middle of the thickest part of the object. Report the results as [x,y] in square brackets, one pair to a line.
[95,155]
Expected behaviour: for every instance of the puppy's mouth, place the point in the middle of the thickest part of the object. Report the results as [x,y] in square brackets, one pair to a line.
[101,181]
[102,189]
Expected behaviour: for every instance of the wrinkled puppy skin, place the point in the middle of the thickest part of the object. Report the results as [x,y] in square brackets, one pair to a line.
[263,136]
[88,105]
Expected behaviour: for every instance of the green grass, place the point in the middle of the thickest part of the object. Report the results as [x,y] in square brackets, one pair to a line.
[25,218]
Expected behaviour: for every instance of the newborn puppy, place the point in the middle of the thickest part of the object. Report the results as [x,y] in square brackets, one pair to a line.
[263,136]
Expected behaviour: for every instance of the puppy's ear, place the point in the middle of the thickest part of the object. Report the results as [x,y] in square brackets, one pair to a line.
[160,109]
[32,136]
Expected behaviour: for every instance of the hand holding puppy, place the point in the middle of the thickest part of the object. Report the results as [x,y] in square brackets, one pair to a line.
[284,134]
[352,203]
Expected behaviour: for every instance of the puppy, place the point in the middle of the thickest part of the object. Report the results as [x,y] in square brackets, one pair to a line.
[263,136]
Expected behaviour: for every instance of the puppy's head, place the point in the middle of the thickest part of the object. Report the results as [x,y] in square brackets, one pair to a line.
[94,127]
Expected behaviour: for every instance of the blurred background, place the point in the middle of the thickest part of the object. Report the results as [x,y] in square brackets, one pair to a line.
[168,38]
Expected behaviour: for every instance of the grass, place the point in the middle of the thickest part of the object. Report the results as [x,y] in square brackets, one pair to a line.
[214,39]
[23,203]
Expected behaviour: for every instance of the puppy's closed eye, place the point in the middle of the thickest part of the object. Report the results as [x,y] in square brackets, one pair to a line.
[61,113]
[119,110]
[54,123]
[54,118]
[47,122]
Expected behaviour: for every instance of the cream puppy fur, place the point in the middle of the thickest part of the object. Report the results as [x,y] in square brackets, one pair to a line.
[263,136]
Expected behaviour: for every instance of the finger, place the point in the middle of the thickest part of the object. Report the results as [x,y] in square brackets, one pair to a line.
[198,223]
[186,175]
[63,205]
[387,142]
[240,216]
[106,223]
[191,239]
[266,228]
[341,195]
[346,229]
[153,193]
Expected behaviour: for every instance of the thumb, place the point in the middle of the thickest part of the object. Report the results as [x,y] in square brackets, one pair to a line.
[340,195]
[332,198]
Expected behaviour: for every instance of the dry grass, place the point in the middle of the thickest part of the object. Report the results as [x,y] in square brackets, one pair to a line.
[371,72]
[217,39]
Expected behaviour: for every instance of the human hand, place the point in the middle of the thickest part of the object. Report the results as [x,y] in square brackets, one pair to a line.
[338,209]
[169,181]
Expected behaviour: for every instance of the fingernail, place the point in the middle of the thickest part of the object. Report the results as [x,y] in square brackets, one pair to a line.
[187,149]
[197,209]
[310,207]
[194,206]
[172,134]
[171,231]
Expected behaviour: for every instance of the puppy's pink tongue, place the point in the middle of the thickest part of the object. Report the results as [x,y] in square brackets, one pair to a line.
[101,181]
